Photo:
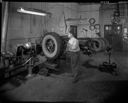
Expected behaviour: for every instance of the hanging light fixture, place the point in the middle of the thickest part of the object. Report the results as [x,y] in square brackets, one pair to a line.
[32,11]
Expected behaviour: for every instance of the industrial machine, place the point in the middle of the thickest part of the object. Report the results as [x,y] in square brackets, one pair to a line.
[13,64]
[52,46]
[26,58]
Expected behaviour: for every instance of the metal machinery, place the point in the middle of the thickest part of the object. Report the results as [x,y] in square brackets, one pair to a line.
[109,66]
[13,64]
[52,46]
[26,58]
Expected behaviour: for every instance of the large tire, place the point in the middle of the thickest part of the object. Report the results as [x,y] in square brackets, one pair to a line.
[52,45]
[103,44]
[106,43]
[97,45]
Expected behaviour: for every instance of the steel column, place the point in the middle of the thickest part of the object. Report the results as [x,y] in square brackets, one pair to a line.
[4,28]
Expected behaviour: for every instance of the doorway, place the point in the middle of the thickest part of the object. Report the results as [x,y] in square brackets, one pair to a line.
[113,33]
[73,30]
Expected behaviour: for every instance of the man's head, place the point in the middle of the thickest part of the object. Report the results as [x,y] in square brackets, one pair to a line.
[70,35]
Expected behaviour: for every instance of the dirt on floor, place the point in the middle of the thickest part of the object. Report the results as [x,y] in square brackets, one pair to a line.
[93,86]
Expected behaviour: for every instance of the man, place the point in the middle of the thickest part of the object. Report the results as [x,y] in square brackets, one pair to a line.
[74,52]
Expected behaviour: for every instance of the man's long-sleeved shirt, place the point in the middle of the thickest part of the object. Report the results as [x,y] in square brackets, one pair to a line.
[73,45]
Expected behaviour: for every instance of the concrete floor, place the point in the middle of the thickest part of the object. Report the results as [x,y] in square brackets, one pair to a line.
[94,86]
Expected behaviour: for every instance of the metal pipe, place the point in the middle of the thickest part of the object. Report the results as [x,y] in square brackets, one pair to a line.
[4,28]
[21,65]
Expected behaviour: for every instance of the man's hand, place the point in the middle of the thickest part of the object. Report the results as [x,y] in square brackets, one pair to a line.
[68,46]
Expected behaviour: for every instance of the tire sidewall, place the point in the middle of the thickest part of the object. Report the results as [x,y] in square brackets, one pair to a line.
[97,49]
[44,48]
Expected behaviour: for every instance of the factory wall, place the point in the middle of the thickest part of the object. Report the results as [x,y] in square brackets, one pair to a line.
[106,12]
[24,27]
[61,12]
[87,12]
[125,24]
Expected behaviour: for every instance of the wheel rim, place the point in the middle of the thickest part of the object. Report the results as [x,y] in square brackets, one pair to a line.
[50,45]
[96,44]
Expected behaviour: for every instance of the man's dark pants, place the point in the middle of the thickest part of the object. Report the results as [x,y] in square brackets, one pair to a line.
[75,63]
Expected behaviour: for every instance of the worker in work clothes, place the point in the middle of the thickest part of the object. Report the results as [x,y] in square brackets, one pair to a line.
[74,52]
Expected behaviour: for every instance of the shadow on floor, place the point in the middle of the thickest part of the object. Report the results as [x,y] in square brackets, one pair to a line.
[63,68]
[88,64]
[120,94]
[14,82]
